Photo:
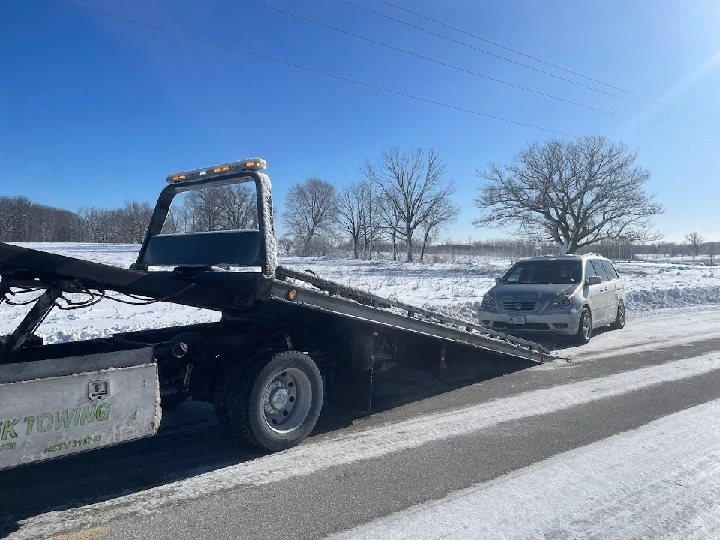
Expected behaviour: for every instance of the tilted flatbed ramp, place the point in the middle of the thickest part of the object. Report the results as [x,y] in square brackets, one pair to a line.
[351,302]
[245,293]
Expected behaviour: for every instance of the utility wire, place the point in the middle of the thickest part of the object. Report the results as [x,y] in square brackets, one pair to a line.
[310,70]
[333,76]
[700,119]
[476,74]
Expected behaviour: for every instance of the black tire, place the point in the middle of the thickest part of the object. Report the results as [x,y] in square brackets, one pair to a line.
[253,406]
[619,323]
[169,402]
[584,332]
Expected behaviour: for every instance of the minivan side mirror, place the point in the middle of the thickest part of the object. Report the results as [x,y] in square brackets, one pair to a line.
[497,280]
[593,280]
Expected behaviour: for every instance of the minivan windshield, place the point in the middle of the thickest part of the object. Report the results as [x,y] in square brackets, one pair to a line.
[544,272]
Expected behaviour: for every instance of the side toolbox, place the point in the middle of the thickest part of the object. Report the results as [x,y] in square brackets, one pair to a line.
[61,406]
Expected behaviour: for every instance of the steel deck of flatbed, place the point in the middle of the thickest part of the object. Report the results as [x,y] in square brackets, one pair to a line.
[239,292]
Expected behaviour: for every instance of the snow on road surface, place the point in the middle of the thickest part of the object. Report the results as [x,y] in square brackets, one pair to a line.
[691,292]
[659,481]
[373,444]
[650,331]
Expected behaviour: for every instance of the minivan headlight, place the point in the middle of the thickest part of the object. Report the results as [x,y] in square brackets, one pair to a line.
[560,301]
[488,302]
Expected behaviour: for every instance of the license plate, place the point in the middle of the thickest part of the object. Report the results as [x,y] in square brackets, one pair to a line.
[517,319]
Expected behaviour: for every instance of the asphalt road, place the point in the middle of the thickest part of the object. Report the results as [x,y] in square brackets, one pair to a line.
[37,500]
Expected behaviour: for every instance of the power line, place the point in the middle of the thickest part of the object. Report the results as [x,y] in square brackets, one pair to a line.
[308,69]
[614,87]
[338,77]
[476,74]
[701,121]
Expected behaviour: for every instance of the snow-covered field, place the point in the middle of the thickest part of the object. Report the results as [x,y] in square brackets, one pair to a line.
[657,289]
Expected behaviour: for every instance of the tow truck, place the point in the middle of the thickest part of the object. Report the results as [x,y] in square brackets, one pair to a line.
[287,341]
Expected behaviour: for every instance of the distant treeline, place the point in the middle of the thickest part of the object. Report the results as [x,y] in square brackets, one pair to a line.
[234,207]
[228,207]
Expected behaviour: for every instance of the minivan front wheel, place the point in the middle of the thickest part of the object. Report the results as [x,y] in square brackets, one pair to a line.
[585,327]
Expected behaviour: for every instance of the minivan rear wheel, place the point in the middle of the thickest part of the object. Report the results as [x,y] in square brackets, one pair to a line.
[585,327]
[620,317]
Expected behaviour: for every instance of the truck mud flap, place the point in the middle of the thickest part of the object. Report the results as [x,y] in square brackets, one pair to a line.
[53,408]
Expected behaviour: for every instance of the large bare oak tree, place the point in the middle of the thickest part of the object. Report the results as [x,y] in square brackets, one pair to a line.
[575,193]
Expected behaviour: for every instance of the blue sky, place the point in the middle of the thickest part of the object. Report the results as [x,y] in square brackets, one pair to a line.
[95,111]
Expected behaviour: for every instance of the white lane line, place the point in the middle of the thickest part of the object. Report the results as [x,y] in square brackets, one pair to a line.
[370,444]
[659,481]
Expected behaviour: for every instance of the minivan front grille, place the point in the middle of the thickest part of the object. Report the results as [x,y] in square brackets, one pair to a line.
[518,306]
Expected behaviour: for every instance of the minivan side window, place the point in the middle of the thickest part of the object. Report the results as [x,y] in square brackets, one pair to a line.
[594,268]
[610,270]
[601,270]
[589,270]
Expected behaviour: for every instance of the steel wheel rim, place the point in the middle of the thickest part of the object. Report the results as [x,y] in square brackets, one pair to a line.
[587,326]
[286,400]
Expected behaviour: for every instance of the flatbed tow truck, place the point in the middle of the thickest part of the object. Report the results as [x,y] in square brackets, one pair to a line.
[287,340]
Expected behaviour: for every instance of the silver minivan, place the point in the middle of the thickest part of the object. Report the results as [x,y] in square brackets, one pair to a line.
[567,295]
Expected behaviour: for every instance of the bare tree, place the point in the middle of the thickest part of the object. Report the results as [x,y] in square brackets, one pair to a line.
[311,209]
[132,222]
[206,208]
[389,221]
[238,206]
[444,214]
[575,193]
[712,249]
[639,237]
[173,222]
[352,213]
[14,215]
[413,186]
[286,244]
[359,216]
[96,224]
[695,242]
[372,230]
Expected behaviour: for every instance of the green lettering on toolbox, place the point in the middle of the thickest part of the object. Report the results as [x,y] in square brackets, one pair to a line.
[65,419]
[42,427]
[103,412]
[88,414]
[9,429]
[29,420]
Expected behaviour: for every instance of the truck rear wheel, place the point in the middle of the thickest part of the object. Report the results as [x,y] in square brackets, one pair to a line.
[273,405]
